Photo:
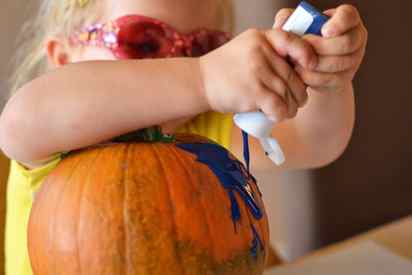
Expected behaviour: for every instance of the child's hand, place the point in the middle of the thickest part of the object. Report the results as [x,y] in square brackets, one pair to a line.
[340,50]
[250,73]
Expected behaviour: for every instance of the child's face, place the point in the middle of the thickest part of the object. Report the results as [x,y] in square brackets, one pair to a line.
[184,15]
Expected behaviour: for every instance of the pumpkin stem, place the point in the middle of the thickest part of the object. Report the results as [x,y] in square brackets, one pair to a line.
[151,134]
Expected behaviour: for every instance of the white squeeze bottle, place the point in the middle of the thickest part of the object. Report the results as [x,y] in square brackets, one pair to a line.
[305,19]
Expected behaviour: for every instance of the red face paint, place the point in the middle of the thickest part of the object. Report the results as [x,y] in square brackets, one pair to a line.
[137,37]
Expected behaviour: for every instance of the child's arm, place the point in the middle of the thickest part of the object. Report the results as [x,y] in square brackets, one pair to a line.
[322,129]
[90,102]
[317,136]
[87,103]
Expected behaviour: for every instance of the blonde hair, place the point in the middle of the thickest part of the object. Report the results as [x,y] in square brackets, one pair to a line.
[54,18]
[59,18]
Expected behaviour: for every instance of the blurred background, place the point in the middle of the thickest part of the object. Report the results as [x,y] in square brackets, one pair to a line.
[372,182]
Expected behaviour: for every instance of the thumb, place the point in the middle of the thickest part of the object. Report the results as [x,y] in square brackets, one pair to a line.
[330,12]
[281,17]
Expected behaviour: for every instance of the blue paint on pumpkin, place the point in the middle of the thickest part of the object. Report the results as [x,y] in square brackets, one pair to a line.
[246,154]
[233,176]
[256,243]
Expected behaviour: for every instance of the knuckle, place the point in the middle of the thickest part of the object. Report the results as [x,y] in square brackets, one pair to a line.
[349,9]
[280,108]
[299,95]
[346,15]
[340,64]
[254,35]
[281,88]
[254,56]
[330,80]
[252,32]
[289,37]
[307,55]
[318,79]
[290,75]
[303,96]
[293,110]
[274,103]
[258,88]
[284,38]
[255,46]
[347,44]
[282,13]
[257,66]
[349,12]
[246,105]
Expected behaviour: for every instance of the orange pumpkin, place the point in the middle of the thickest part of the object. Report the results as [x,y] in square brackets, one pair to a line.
[185,207]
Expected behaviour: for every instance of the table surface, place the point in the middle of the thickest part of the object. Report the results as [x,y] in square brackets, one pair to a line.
[396,237]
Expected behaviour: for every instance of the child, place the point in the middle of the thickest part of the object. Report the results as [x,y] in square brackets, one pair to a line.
[98,92]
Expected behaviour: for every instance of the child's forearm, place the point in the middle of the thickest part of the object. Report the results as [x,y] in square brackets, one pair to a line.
[87,103]
[321,131]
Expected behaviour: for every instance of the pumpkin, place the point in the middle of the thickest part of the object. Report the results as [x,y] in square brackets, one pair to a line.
[185,206]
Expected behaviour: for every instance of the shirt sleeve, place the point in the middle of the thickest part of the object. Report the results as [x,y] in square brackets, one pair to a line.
[32,178]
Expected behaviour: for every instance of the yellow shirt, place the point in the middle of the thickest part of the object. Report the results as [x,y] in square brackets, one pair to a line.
[24,183]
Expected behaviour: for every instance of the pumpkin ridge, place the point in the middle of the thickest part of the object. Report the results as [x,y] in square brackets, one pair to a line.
[242,208]
[139,206]
[56,209]
[39,208]
[124,178]
[256,229]
[151,262]
[248,219]
[186,169]
[208,229]
[173,205]
[98,153]
[264,235]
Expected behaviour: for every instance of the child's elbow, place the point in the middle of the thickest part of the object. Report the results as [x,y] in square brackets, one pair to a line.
[332,149]
[14,126]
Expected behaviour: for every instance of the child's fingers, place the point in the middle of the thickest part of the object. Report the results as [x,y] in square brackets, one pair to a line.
[281,17]
[325,80]
[289,44]
[291,104]
[273,83]
[281,68]
[330,12]
[320,90]
[327,89]
[272,105]
[345,44]
[279,87]
[335,64]
[344,18]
